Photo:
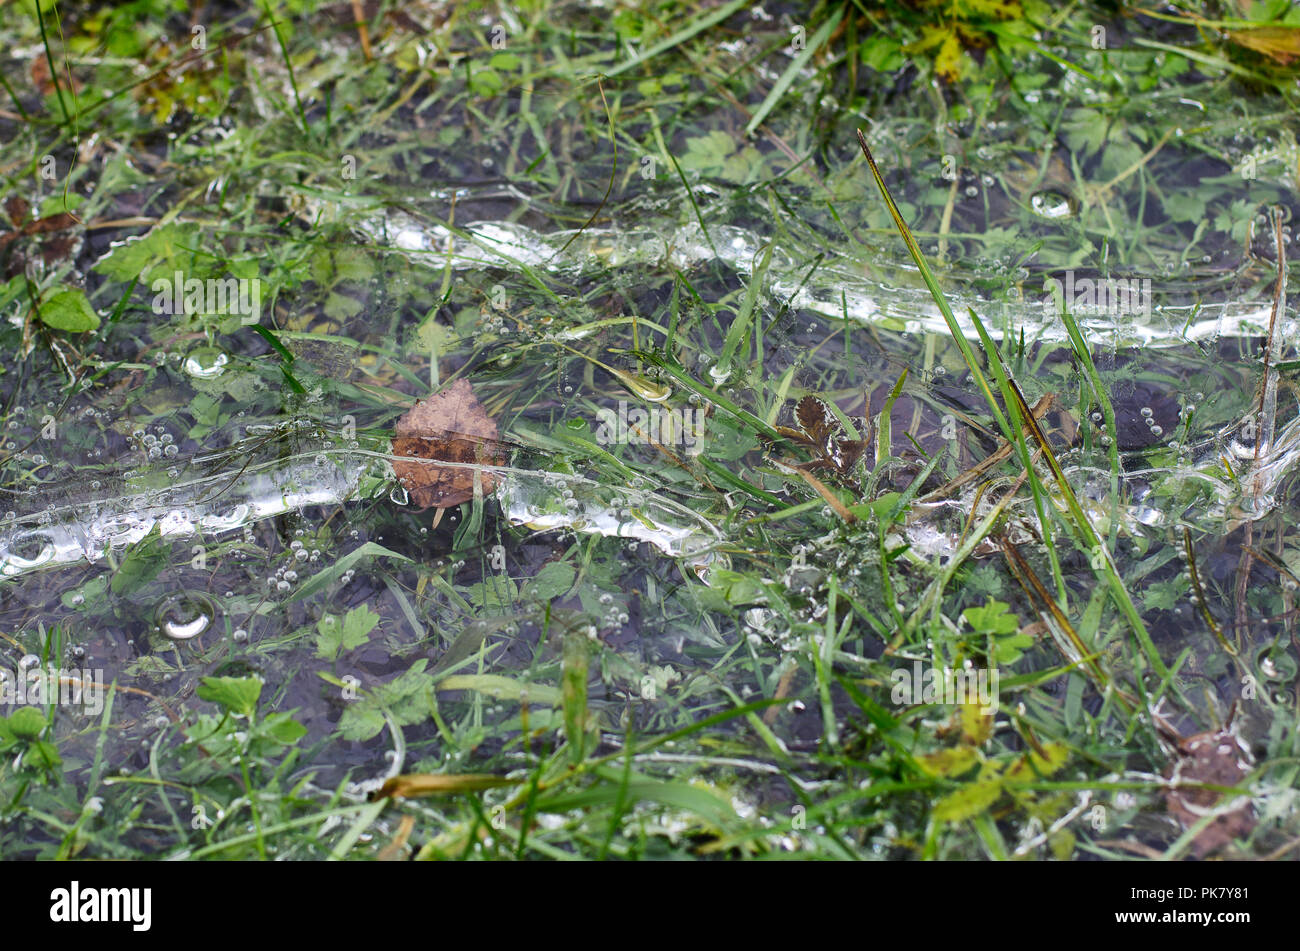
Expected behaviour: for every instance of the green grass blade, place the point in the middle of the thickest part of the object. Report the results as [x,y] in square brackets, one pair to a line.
[1087,534]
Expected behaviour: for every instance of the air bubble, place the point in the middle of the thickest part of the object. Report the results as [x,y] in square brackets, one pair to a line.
[185,616]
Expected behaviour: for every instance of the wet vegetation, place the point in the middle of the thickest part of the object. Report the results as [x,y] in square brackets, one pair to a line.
[551,431]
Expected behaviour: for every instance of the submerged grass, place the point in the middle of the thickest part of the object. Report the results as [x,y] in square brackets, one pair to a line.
[1023,418]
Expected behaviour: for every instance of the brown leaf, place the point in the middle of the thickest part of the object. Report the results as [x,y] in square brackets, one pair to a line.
[53,223]
[44,82]
[847,454]
[816,420]
[55,238]
[450,426]
[1220,758]
[16,207]
[820,436]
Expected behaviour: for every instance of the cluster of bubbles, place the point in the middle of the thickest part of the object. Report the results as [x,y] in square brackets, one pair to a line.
[1156,429]
[299,552]
[614,616]
[155,445]
[283,579]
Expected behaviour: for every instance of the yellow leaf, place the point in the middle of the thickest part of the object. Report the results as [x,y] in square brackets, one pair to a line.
[976,725]
[1031,766]
[1001,9]
[948,63]
[438,784]
[1279,43]
[968,801]
[1062,845]
[952,762]
[931,36]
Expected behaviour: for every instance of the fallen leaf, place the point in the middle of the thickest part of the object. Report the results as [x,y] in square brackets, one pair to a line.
[816,420]
[43,80]
[57,237]
[395,849]
[450,426]
[817,433]
[1219,758]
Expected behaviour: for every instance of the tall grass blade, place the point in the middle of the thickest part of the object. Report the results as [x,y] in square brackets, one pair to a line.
[1087,535]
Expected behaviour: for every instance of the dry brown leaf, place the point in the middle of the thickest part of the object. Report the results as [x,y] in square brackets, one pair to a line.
[1218,758]
[819,429]
[55,238]
[43,81]
[450,426]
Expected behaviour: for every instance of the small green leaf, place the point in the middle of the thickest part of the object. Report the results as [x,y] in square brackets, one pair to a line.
[553,580]
[882,507]
[90,594]
[341,306]
[69,310]
[502,688]
[27,722]
[237,694]
[405,698]
[505,61]
[703,803]
[43,755]
[283,729]
[993,618]
[492,595]
[159,254]
[322,578]
[736,588]
[361,722]
[335,636]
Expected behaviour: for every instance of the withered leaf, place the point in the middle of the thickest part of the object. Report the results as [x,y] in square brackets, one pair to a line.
[816,419]
[55,238]
[1279,43]
[43,80]
[819,433]
[1217,758]
[450,426]
[847,453]
[410,785]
